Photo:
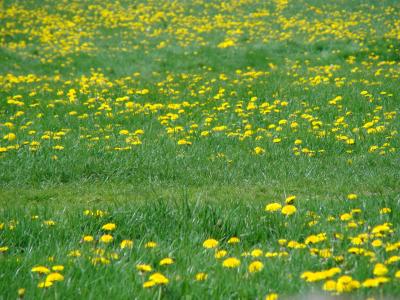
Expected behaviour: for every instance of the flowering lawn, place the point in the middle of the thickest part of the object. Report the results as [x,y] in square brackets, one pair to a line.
[90,242]
[202,149]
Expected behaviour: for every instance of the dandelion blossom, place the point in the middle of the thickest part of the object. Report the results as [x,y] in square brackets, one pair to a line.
[40,270]
[288,210]
[106,238]
[231,262]
[54,277]
[201,276]
[166,261]
[126,244]
[256,266]
[352,196]
[273,207]
[109,227]
[144,268]
[210,243]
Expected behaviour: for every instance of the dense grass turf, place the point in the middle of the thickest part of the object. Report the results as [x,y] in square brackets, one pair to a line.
[51,231]
[180,122]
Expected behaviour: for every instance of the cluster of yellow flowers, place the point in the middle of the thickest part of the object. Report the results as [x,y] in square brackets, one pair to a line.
[236,23]
[344,283]
[51,276]
[191,107]
[270,123]
[287,210]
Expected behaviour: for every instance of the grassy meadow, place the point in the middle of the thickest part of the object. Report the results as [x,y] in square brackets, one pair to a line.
[199,149]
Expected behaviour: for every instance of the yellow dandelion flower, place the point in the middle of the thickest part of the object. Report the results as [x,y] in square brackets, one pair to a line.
[273,207]
[233,240]
[58,147]
[45,284]
[201,276]
[184,142]
[377,243]
[374,282]
[220,254]
[126,244]
[159,278]
[329,286]
[256,253]
[40,270]
[54,277]
[256,266]
[272,296]
[49,223]
[346,217]
[106,238]
[74,253]
[385,210]
[109,227]
[282,242]
[149,284]
[10,137]
[144,268]
[288,210]
[210,243]
[150,244]
[259,150]
[347,284]
[352,196]
[166,261]
[88,238]
[392,259]
[21,292]
[380,269]
[58,268]
[231,262]
[298,142]
[290,199]
[226,43]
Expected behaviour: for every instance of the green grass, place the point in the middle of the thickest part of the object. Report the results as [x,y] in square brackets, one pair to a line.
[147,76]
[179,220]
